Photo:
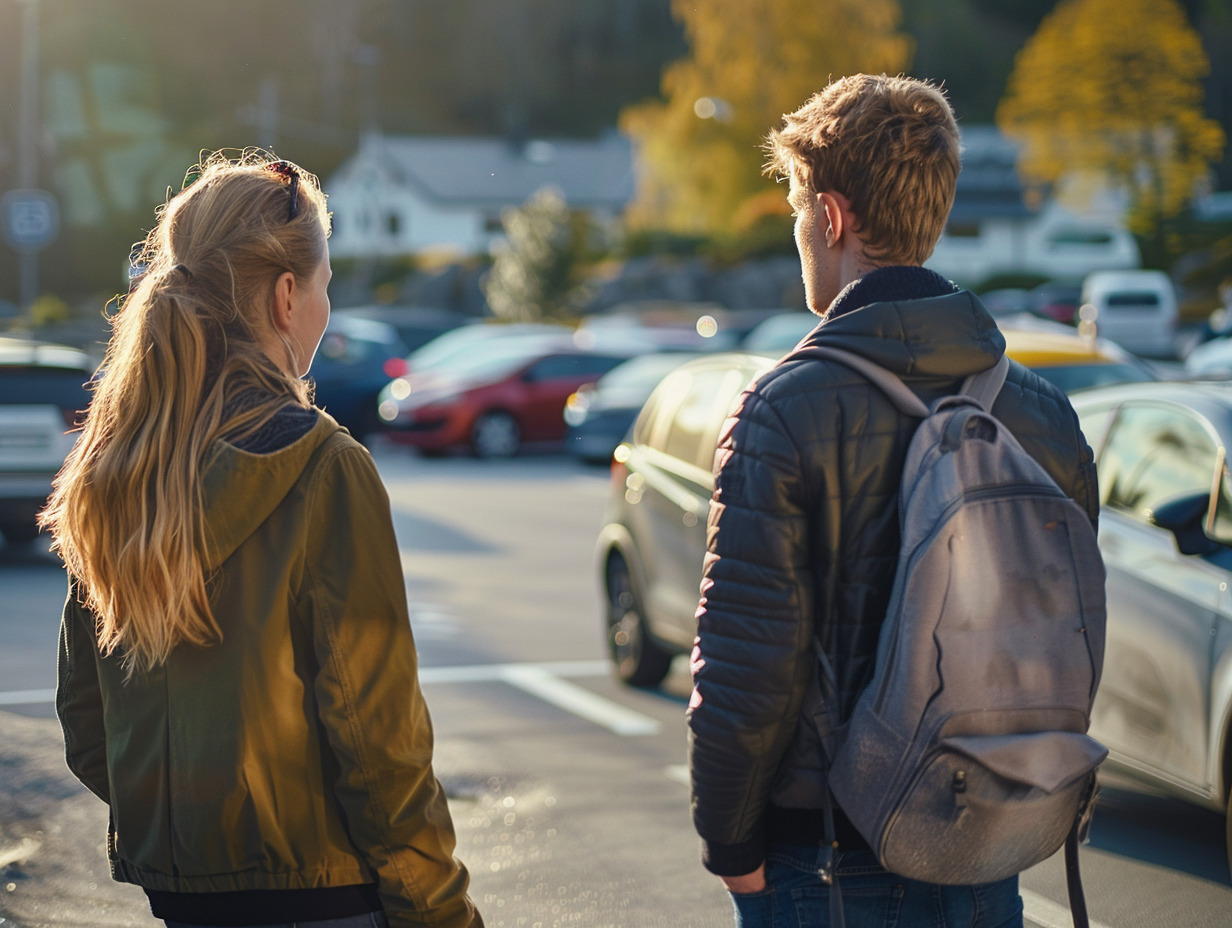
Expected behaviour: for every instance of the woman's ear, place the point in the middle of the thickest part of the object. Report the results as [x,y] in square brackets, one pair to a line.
[283,301]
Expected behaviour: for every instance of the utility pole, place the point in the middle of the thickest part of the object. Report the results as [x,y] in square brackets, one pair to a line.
[30,216]
[27,133]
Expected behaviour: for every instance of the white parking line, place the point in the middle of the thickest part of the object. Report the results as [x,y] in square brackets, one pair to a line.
[492,673]
[545,681]
[581,702]
[27,697]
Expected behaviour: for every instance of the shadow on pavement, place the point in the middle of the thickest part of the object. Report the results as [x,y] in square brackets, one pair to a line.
[1163,832]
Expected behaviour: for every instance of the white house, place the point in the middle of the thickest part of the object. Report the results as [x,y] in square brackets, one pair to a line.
[402,195]
[995,228]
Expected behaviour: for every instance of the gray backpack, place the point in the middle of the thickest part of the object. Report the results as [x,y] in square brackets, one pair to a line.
[966,759]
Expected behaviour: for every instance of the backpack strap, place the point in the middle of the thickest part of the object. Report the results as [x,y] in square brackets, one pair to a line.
[1073,881]
[982,387]
[887,381]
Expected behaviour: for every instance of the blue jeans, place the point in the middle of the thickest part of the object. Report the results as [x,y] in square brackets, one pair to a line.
[795,897]
[370,920]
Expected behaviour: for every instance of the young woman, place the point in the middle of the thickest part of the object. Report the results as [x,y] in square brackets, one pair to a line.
[237,677]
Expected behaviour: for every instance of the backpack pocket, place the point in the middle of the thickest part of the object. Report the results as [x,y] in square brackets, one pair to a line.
[985,807]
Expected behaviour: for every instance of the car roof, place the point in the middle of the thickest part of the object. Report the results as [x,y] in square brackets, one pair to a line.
[24,352]
[1034,348]
[1212,398]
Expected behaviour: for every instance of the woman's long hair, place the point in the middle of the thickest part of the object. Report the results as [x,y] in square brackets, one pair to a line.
[184,366]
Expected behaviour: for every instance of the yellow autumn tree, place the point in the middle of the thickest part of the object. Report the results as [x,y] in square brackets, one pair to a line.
[750,62]
[1108,93]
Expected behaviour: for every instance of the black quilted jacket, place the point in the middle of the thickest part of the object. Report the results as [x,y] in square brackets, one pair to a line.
[803,541]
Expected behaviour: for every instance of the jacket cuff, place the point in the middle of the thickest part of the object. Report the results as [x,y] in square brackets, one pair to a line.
[734,859]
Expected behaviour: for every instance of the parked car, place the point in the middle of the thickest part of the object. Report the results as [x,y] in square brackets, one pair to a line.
[780,333]
[415,325]
[356,359]
[650,548]
[497,395]
[653,540]
[1211,358]
[1164,707]
[1057,300]
[42,394]
[1135,309]
[448,346]
[1074,362]
[599,415]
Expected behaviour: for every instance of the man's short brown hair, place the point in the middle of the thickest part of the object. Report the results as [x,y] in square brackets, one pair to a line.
[890,145]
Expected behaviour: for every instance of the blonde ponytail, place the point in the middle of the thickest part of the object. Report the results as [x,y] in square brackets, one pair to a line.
[127,510]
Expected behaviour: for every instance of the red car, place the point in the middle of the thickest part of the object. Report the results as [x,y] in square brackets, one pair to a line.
[503,393]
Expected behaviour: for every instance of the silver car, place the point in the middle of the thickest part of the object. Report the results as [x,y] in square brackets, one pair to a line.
[653,540]
[42,390]
[1164,707]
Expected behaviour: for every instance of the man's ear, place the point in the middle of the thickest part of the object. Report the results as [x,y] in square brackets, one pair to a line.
[834,218]
[283,302]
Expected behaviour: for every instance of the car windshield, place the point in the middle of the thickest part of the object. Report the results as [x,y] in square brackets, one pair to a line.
[634,380]
[443,349]
[493,359]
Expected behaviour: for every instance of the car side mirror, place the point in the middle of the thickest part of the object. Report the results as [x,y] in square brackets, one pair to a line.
[1184,517]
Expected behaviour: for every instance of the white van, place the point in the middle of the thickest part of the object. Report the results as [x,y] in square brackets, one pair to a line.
[1135,309]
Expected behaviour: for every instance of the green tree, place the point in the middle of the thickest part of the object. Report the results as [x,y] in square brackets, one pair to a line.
[750,61]
[534,275]
[1108,93]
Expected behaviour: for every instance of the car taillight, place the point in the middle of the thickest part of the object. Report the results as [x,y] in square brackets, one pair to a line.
[395,368]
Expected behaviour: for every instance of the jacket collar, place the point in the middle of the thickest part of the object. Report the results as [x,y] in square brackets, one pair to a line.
[887,284]
[914,323]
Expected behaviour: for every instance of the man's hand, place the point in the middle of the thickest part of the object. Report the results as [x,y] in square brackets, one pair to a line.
[753,882]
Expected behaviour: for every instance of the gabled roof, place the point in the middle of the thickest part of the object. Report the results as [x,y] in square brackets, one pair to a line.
[493,172]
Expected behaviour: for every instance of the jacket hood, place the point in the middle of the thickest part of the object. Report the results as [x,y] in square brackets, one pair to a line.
[941,337]
[242,488]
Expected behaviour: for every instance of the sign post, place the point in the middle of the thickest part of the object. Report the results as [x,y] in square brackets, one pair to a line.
[30,220]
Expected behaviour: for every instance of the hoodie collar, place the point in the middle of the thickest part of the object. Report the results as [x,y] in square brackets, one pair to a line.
[242,488]
[913,322]
[888,284]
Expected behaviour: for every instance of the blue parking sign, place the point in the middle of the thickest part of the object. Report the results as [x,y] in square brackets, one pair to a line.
[31,219]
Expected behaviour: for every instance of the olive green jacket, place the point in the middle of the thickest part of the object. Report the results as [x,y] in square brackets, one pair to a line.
[296,753]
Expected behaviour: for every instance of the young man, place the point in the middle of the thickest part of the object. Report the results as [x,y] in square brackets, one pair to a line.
[803,525]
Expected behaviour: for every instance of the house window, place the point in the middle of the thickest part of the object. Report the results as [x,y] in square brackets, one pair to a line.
[393,224]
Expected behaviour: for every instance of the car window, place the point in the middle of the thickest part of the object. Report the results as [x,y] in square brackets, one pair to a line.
[693,417]
[1133,298]
[569,366]
[338,348]
[1153,454]
[37,385]
[1094,422]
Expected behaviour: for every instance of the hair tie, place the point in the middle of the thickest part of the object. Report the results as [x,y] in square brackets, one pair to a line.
[183,270]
